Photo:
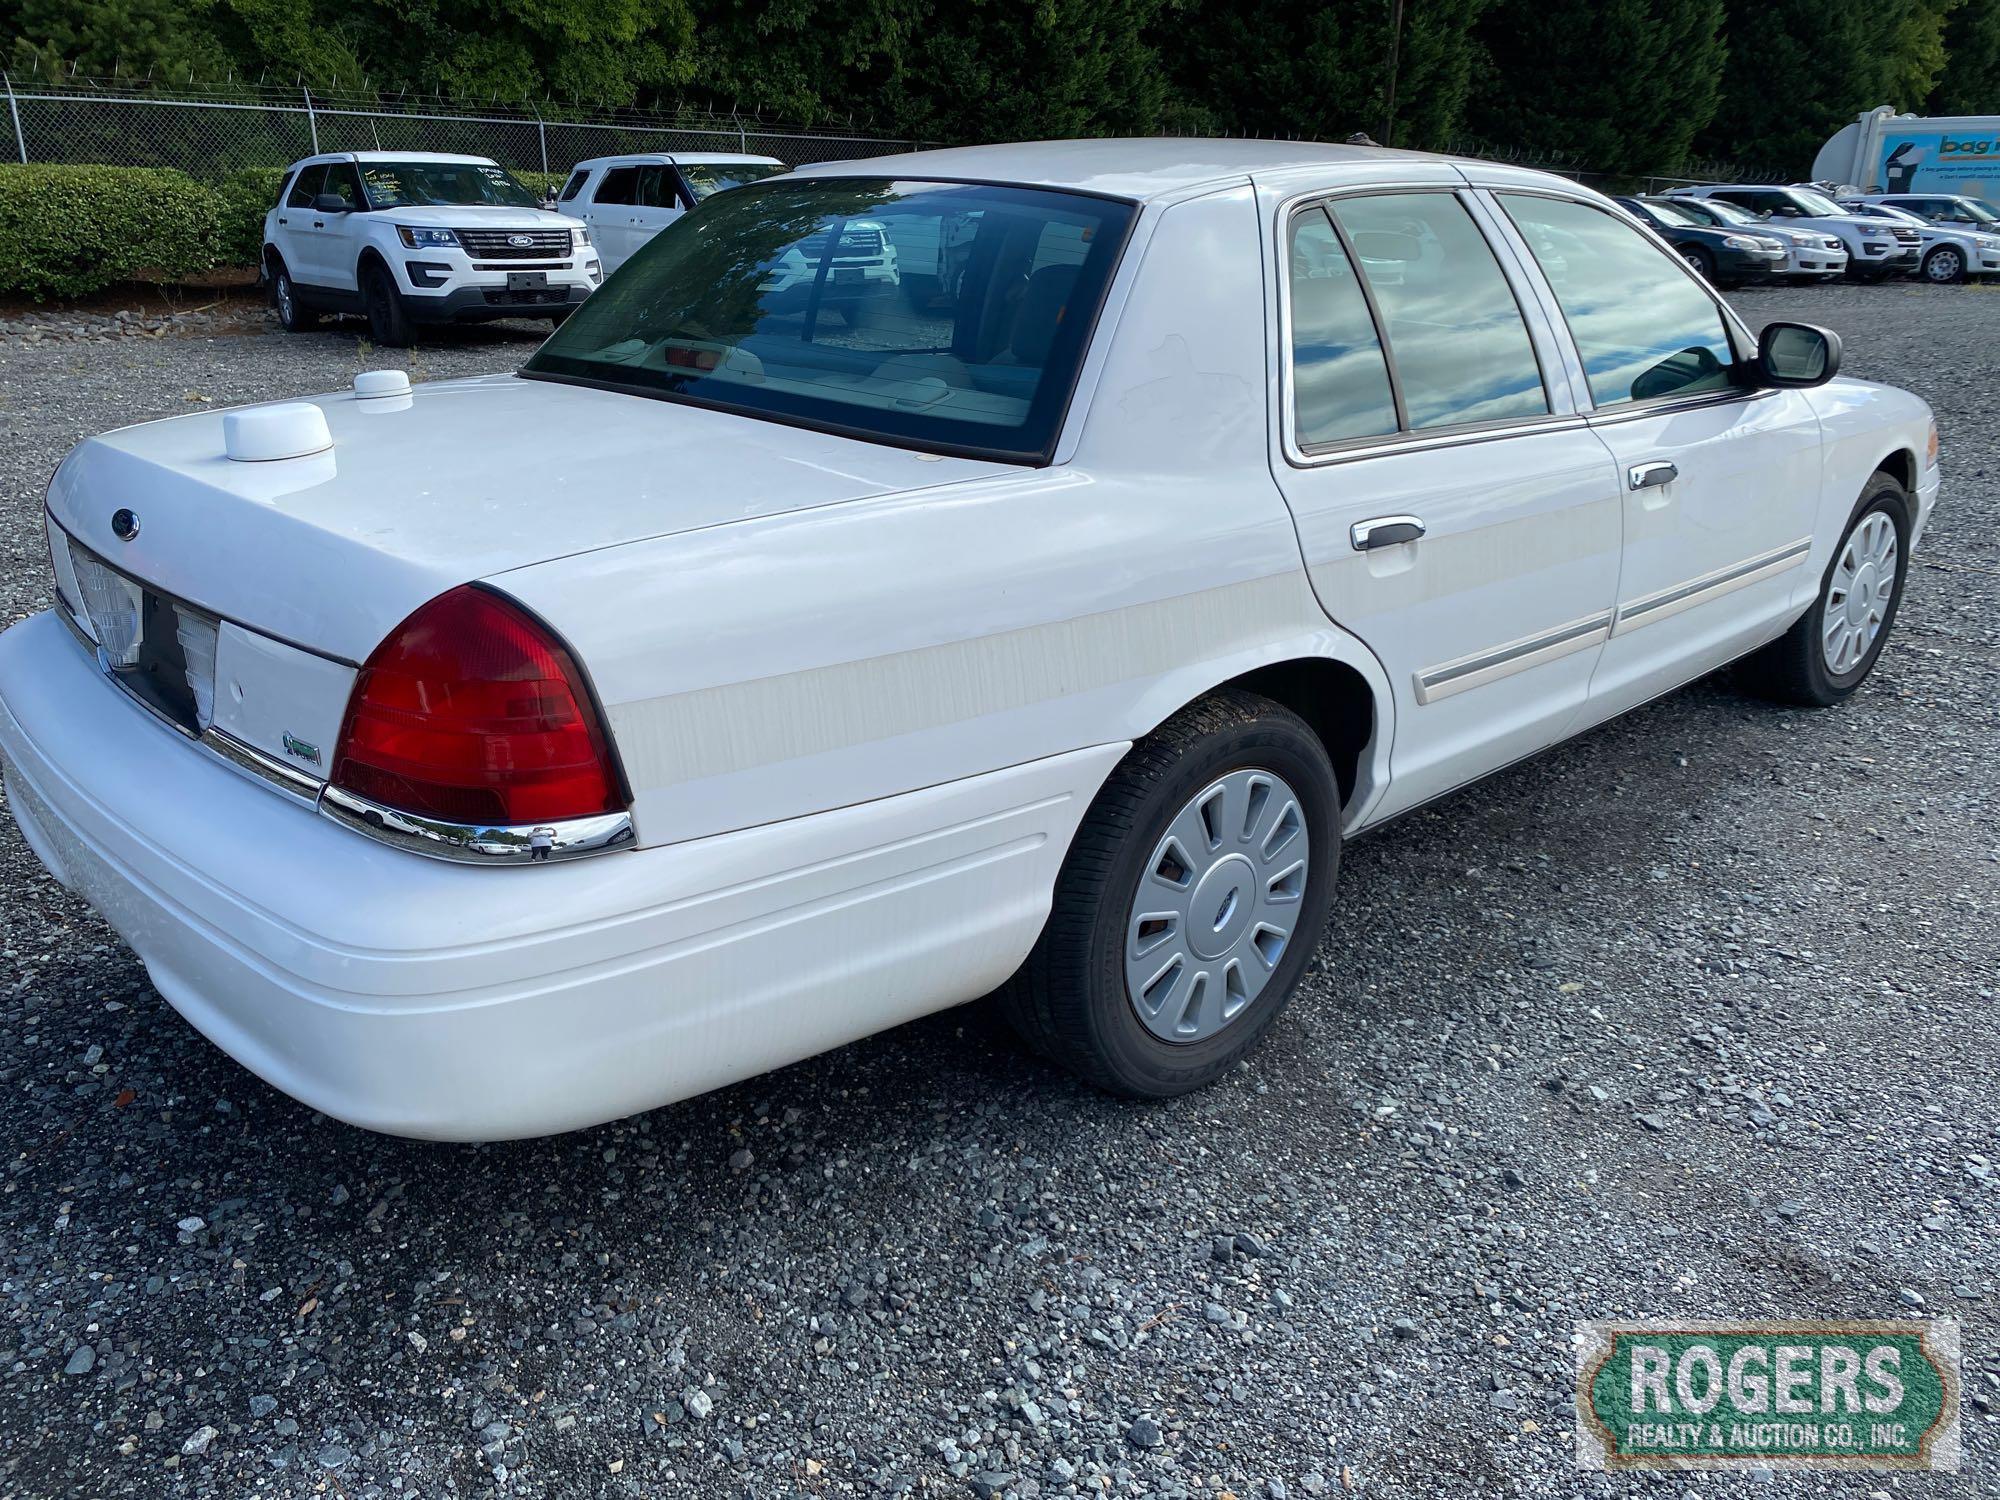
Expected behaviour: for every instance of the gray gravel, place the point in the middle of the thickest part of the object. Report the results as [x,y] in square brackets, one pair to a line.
[1692,1017]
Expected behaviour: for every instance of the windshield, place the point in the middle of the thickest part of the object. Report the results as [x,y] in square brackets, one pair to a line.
[1671,213]
[1728,213]
[1976,210]
[932,315]
[1818,205]
[706,177]
[418,184]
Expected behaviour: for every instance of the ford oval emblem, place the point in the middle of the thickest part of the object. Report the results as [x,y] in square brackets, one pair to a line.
[124,524]
[521,241]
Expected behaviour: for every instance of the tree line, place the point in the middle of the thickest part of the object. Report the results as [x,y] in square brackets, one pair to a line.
[1622,86]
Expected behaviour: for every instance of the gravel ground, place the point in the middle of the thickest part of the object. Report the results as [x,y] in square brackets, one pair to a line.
[1691,1017]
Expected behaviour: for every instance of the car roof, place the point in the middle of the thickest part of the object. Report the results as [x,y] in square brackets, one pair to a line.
[1136,168]
[680,158]
[444,157]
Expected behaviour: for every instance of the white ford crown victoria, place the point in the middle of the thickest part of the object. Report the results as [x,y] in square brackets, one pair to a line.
[767,664]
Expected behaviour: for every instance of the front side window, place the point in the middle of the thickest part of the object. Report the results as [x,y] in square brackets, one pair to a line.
[704,178]
[620,185]
[1461,351]
[934,315]
[1340,381]
[306,187]
[575,184]
[657,188]
[342,182]
[451,184]
[1641,323]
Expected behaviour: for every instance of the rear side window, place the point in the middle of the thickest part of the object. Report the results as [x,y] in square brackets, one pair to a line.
[1459,348]
[620,185]
[1643,325]
[575,184]
[306,187]
[1340,381]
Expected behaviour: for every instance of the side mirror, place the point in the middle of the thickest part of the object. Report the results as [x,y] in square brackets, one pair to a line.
[1797,355]
[330,203]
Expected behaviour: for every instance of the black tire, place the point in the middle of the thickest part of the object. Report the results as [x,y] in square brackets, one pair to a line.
[1944,264]
[1699,261]
[388,320]
[1793,668]
[293,315]
[1069,1000]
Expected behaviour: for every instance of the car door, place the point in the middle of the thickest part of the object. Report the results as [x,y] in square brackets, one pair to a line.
[610,213]
[296,240]
[657,203]
[1720,481]
[337,236]
[1454,511]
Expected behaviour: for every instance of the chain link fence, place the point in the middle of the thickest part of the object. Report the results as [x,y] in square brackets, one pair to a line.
[210,136]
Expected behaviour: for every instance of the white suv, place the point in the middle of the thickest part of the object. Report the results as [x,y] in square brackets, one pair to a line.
[1961,235]
[626,200]
[1875,249]
[414,237]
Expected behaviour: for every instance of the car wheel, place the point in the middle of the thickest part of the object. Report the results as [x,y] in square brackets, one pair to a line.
[293,316]
[1944,264]
[1831,650]
[1192,897]
[388,320]
[1699,261]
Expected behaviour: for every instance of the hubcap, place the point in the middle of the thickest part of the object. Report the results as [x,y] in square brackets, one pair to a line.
[1944,266]
[1216,906]
[285,297]
[1857,595]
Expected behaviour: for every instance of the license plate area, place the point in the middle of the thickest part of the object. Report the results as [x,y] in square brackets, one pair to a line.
[156,648]
[527,281]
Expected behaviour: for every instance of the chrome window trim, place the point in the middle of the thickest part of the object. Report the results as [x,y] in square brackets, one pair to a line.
[1300,456]
[496,846]
[1495,662]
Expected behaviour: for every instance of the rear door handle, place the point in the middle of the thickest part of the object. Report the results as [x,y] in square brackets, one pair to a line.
[1646,476]
[1384,531]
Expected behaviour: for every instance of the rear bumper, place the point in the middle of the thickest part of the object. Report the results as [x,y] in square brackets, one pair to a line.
[429,999]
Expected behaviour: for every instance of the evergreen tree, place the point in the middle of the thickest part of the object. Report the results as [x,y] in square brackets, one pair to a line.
[1322,70]
[1622,86]
[1970,82]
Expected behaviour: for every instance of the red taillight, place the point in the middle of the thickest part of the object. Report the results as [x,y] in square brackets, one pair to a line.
[472,712]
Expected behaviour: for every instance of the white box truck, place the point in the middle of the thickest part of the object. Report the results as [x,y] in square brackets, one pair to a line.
[1884,152]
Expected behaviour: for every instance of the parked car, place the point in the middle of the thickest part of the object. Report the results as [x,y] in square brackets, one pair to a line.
[626,200]
[733,682]
[1875,251]
[1961,235]
[1726,257]
[410,238]
[1810,254]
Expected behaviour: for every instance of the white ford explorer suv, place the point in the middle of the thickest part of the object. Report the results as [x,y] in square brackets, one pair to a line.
[1961,235]
[1875,248]
[626,200]
[1048,623]
[412,237]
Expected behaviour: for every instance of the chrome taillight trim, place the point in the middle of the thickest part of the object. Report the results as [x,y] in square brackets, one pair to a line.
[524,844]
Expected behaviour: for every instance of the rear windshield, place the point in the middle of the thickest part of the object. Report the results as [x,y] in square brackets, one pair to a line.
[416,184]
[932,315]
[704,178]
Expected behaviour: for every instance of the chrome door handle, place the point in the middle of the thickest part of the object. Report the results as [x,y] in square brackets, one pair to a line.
[1384,531]
[1645,476]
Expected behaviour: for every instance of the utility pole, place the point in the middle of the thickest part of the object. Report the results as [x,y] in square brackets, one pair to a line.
[1395,50]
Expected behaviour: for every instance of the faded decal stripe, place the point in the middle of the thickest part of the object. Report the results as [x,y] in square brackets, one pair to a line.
[1671,601]
[734,726]
[1491,665]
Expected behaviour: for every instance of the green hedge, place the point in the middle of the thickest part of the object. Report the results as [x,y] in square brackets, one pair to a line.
[68,231]
[246,195]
